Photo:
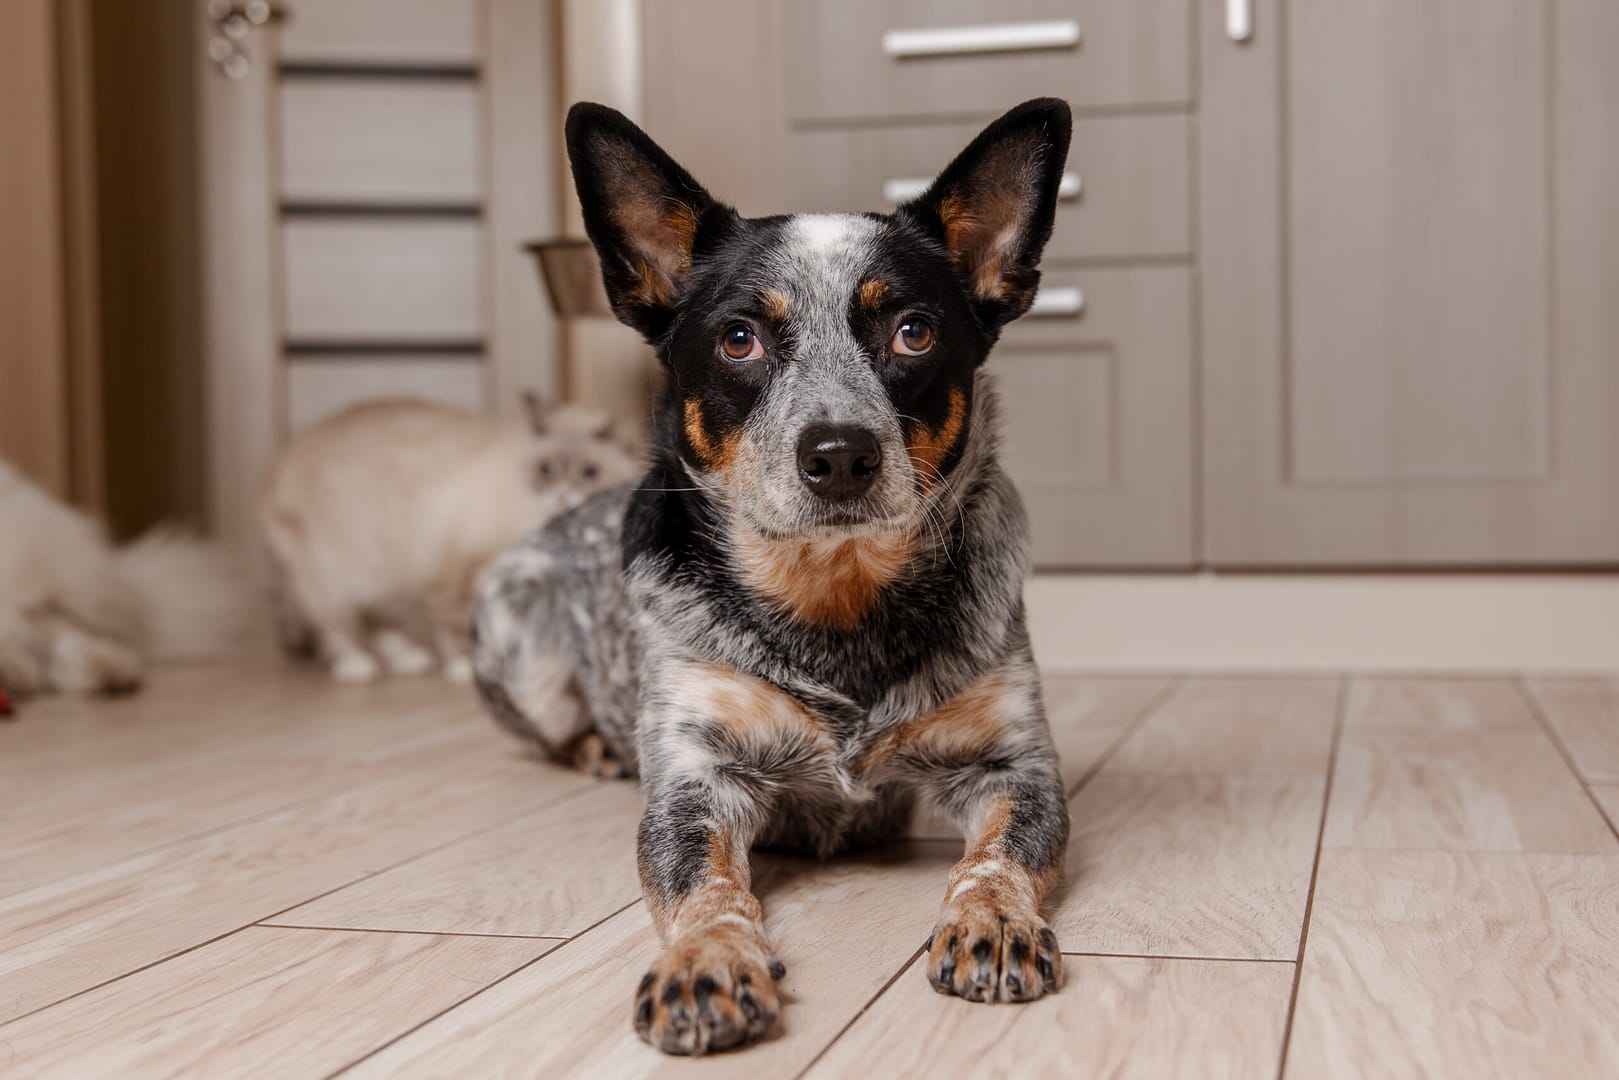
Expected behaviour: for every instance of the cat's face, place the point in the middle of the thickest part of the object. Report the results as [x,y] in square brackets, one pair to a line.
[571,468]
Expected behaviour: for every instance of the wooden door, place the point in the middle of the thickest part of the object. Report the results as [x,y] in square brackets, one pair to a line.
[1410,251]
[372,170]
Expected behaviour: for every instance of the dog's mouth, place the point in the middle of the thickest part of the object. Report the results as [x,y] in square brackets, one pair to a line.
[838,521]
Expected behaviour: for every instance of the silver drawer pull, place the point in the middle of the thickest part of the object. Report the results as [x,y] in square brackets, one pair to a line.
[994,37]
[1239,19]
[904,189]
[1055,303]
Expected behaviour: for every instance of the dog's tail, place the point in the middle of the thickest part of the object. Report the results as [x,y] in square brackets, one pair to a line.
[196,602]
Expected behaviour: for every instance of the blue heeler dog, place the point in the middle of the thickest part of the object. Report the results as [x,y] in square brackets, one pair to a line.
[809,612]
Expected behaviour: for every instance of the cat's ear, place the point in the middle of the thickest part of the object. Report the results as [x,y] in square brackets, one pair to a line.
[534,408]
[993,206]
[642,211]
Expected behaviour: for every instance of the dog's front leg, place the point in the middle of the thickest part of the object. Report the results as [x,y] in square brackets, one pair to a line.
[714,986]
[987,760]
[991,943]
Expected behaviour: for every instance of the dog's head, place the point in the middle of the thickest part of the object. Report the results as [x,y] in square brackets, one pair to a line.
[821,365]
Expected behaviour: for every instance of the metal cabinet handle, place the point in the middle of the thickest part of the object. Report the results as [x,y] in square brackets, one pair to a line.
[1057,302]
[905,188]
[1239,19]
[993,37]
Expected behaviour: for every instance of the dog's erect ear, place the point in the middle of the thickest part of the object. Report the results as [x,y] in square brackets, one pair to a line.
[993,206]
[642,212]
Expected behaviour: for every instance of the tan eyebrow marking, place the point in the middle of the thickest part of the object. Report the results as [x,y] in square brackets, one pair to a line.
[872,293]
[775,304]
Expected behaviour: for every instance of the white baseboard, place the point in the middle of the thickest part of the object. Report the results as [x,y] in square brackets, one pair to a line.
[1293,622]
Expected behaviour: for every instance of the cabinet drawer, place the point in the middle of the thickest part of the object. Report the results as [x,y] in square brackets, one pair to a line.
[1096,420]
[380,141]
[318,388]
[1127,184]
[386,280]
[860,59]
[382,31]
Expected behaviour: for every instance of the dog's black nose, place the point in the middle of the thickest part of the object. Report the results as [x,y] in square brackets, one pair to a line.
[838,461]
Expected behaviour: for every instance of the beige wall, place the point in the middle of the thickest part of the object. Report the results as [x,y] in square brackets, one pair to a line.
[33,369]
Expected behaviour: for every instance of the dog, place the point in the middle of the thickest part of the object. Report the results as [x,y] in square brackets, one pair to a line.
[808,614]
[379,520]
[80,616]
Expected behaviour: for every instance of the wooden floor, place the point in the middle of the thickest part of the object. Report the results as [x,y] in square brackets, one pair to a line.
[252,872]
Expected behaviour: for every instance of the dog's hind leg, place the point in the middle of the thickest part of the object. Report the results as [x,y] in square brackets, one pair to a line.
[535,699]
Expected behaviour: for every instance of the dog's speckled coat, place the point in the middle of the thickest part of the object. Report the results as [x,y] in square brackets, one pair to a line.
[782,668]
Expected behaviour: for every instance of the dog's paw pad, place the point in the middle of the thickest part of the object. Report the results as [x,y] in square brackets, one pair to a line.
[986,955]
[711,990]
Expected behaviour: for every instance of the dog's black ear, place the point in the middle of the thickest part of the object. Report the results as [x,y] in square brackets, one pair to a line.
[642,212]
[994,204]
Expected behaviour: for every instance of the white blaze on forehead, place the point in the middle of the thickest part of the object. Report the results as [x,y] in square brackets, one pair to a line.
[819,266]
[826,232]
[824,255]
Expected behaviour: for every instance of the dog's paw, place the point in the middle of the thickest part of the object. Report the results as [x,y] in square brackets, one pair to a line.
[591,756]
[712,989]
[981,953]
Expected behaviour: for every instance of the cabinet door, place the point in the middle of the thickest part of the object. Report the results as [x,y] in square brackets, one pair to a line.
[1410,255]
[1096,416]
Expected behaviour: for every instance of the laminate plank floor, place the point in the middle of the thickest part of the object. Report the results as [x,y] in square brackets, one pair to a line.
[249,871]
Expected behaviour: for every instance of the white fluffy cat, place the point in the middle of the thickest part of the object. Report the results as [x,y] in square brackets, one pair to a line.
[78,615]
[381,518]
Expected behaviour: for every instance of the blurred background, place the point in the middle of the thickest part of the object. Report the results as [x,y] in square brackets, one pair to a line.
[1330,290]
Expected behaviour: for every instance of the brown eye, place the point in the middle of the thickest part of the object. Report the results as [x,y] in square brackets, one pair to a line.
[913,338]
[740,343]
[545,470]
[589,472]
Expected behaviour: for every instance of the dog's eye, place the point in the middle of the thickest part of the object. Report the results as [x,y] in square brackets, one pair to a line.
[545,470]
[913,338]
[740,343]
[589,472]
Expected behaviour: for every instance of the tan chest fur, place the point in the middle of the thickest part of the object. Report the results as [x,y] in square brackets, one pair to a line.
[825,582]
